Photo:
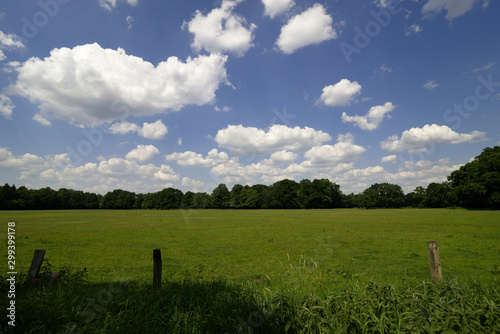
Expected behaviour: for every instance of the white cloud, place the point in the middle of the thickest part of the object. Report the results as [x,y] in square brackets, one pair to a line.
[386,68]
[40,120]
[413,29]
[10,41]
[422,139]
[223,109]
[124,127]
[156,130]
[110,4]
[129,20]
[390,158]
[310,27]
[372,119]
[454,8]
[282,157]
[382,3]
[90,85]
[195,185]
[483,68]
[24,162]
[340,94]
[344,151]
[57,171]
[142,153]
[430,84]
[190,158]
[166,173]
[276,7]
[221,30]
[242,140]
[6,106]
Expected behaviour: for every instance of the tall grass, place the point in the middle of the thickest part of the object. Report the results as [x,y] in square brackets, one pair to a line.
[195,305]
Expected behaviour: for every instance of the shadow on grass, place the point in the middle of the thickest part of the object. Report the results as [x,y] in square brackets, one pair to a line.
[193,305]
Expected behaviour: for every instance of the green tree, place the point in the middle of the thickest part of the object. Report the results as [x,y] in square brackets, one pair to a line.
[220,197]
[250,198]
[477,183]
[387,195]
[235,198]
[436,195]
[186,201]
[284,195]
[170,198]
[416,198]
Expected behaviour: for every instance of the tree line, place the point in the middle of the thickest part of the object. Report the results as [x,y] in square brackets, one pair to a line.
[474,185]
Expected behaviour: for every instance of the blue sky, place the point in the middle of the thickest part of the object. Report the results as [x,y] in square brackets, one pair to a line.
[146,94]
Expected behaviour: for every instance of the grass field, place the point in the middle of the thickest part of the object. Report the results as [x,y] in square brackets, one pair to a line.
[383,245]
[262,271]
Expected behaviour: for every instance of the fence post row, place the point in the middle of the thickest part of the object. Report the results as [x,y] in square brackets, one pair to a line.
[157,268]
[434,261]
[36,263]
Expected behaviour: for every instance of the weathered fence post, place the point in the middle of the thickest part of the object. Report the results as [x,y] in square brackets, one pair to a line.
[157,268]
[36,264]
[434,261]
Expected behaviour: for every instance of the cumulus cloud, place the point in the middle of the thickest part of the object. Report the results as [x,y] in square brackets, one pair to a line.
[242,140]
[166,173]
[110,4]
[132,173]
[142,153]
[372,119]
[344,151]
[454,8]
[276,7]
[90,85]
[310,27]
[389,158]
[422,139]
[190,158]
[156,130]
[6,106]
[9,42]
[8,160]
[221,30]
[195,185]
[340,94]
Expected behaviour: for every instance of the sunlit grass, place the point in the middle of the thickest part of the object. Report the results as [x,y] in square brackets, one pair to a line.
[383,245]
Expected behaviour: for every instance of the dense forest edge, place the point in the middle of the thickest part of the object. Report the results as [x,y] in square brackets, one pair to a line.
[474,185]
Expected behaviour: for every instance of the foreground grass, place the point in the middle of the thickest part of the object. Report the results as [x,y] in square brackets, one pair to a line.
[266,271]
[218,306]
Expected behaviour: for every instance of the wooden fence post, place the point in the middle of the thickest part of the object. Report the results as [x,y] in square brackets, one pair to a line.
[434,261]
[36,264]
[157,268]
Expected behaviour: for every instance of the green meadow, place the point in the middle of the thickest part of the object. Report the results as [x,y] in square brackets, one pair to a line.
[382,245]
[258,271]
